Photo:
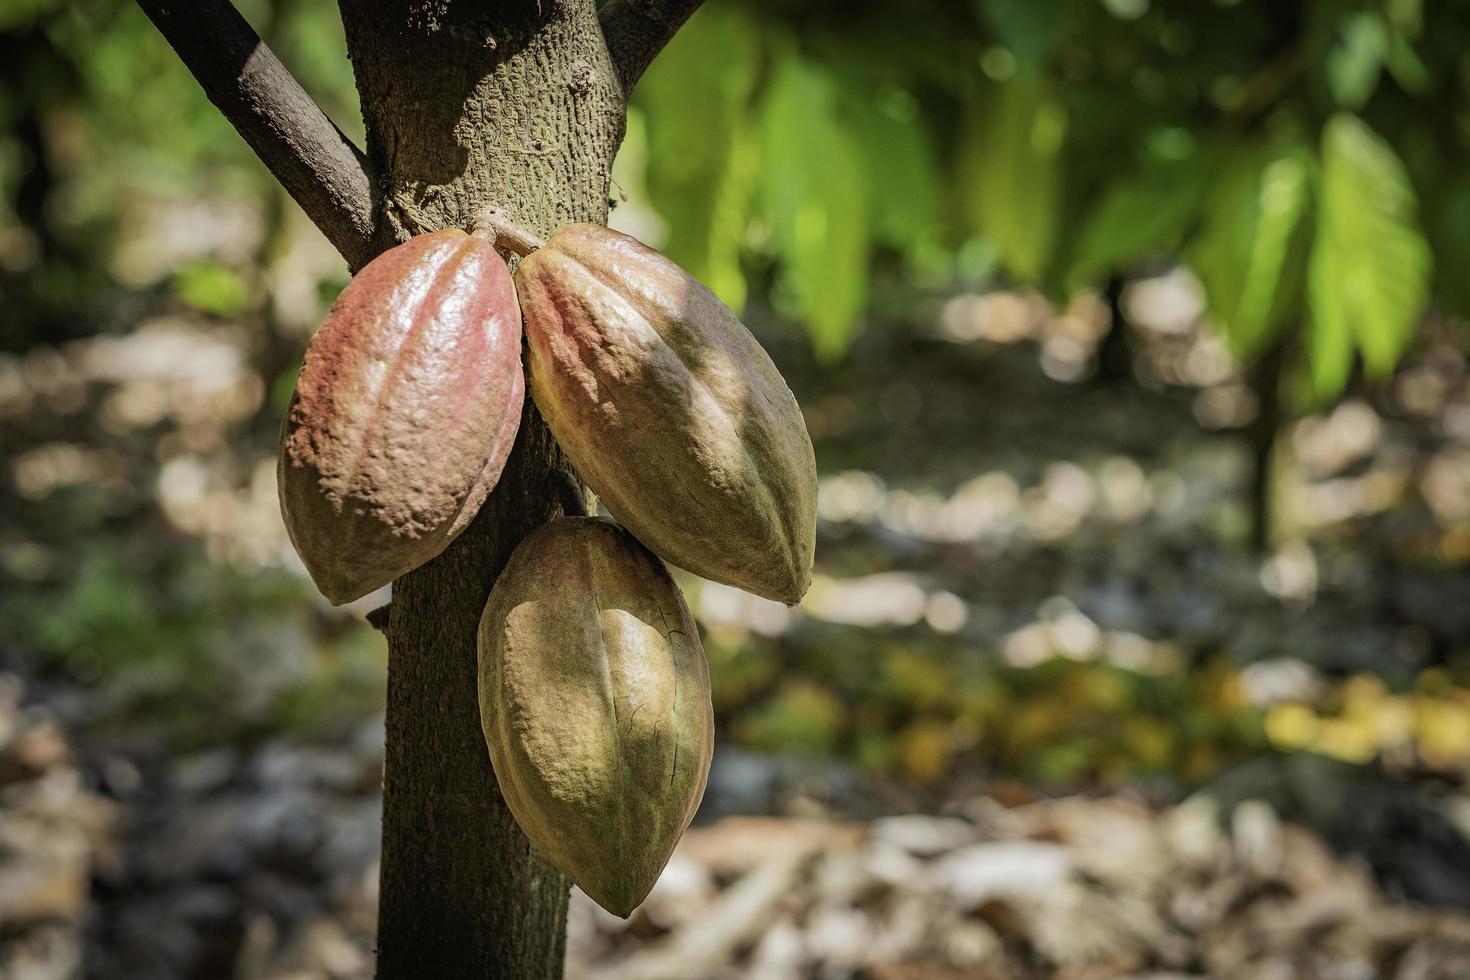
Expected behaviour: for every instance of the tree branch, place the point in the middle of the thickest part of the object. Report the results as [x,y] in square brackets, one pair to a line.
[637,30]
[328,176]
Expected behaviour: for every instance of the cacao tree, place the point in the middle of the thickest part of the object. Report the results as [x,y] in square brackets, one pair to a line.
[521,105]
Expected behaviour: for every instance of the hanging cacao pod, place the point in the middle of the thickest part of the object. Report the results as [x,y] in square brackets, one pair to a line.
[595,703]
[670,410]
[404,412]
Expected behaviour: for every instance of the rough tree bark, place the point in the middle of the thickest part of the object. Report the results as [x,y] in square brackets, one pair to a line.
[526,113]
[519,104]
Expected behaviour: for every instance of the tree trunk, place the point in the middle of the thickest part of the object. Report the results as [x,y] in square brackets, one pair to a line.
[1115,354]
[520,106]
[1264,378]
[515,104]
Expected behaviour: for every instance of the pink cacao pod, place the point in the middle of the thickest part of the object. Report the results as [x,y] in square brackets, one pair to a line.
[404,412]
[595,703]
[670,410]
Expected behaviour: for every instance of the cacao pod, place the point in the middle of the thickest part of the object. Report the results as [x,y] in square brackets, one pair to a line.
[670,410]
[404,412]
[595,703]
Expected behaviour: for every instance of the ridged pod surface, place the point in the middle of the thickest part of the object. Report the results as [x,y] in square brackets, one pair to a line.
[405,410]
[670,410]
[595,703]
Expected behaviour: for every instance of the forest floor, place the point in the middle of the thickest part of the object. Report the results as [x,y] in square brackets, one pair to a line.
[1044,713]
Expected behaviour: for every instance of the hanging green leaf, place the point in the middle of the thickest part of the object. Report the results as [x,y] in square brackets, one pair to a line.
[703,83]
[1029,30]
[815,193]
[1370,267]
[1405,65]
[1406,15]
[1143,214]
[1009,174]
[1248,251]
[902,174]
[1355,59]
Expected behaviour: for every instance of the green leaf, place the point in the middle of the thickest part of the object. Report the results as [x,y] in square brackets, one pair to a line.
[1029,30]
[1405,65]
[1356,58]
[1248,252]
[816,200]
[703,83]
[212,288]
[902,173]
[1368,279]
[1143,214]
[16,15]
[1009,174]
[1407,16]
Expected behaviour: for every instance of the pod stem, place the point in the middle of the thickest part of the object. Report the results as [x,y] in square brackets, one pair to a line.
[570,493]
[496,227]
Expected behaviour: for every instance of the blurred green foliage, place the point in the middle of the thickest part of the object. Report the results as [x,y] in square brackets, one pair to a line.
[929,715]
[212,288]
[924,713]
[1304,159]
[170,633]
[98,118]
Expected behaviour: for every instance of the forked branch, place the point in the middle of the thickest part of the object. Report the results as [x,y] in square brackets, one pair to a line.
[328,176]
[637,30]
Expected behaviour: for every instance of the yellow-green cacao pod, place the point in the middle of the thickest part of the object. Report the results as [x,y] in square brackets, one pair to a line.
[595,703]
[404,412]
[670,410]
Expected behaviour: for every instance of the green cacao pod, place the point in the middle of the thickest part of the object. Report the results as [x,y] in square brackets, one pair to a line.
[595,703]
[670,410]
[404,412]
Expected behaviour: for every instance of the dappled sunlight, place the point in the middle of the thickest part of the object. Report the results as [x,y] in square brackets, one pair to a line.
[1080,880]
[1067,338]
[1131,340]
[1014,561]
[1363,721]
[1066,499]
